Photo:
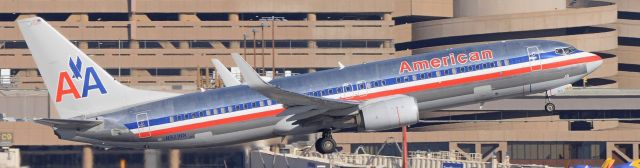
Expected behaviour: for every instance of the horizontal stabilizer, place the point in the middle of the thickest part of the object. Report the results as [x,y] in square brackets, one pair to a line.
[69,123]
[225,75]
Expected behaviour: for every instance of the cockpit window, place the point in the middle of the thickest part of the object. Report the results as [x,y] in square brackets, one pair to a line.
[566,50]
[559,51]
[570,50]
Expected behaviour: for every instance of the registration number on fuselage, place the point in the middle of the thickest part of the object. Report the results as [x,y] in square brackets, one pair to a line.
[174,137]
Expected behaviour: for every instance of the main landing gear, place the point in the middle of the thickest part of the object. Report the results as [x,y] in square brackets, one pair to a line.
[549,107]
[326,144]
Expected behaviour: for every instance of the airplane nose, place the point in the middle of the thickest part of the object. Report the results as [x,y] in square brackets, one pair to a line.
[593,65]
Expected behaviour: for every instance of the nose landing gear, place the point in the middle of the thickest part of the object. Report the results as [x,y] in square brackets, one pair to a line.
[549,107]
[326,144]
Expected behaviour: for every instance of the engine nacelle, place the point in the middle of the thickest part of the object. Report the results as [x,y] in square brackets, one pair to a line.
[387,113]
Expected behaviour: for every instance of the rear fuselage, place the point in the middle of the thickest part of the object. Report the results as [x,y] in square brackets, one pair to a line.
[437,80]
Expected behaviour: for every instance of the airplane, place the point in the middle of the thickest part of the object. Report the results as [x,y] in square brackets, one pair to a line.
[95,108]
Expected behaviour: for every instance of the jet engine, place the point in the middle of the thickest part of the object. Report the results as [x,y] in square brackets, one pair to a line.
[387,113]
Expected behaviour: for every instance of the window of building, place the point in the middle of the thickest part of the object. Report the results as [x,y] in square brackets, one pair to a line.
[175,44]
[200,44]
[116,71]
[164,72]
[8,17]
[163,16]
[349,43]
[258,16]
[279,44]
[390,150]
[226,44]
[353,44]
[556,150]
[14,45]
[329,44]
[349,16]
[108,17]
[54,16]
[289,44]
[213,16]
[107,44]
[149,44]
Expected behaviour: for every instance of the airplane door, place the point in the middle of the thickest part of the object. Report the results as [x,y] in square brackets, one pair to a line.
[534,58]
[535,64]
[143,124]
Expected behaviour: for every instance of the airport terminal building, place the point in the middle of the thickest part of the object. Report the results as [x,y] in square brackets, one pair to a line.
[167,45]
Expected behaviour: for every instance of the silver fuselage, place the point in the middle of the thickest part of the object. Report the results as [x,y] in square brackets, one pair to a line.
[239,114]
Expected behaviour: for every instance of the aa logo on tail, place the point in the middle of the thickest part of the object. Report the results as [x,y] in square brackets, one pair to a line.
[90,79]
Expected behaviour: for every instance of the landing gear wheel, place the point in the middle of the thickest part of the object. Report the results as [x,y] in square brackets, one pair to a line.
[326,144]
[550,107]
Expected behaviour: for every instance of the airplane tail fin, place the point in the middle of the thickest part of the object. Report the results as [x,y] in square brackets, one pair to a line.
[77,85]
[608,163]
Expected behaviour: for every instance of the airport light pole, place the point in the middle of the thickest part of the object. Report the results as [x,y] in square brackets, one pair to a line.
[263,46]
[273,20]
[244,40]
[119,63]
[254,47]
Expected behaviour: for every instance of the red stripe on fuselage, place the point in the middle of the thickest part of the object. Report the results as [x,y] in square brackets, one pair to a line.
[212,123]
[428,86]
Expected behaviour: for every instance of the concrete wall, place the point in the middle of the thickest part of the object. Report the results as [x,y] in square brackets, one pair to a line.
[465,8]
[598,15]
[433,8]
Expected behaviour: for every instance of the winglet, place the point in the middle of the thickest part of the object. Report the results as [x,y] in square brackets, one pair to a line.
[340,65]
[69,123]
[227,77]
[249,74]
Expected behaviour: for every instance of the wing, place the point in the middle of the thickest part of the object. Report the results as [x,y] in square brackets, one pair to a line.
[227,77]
[302,106]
